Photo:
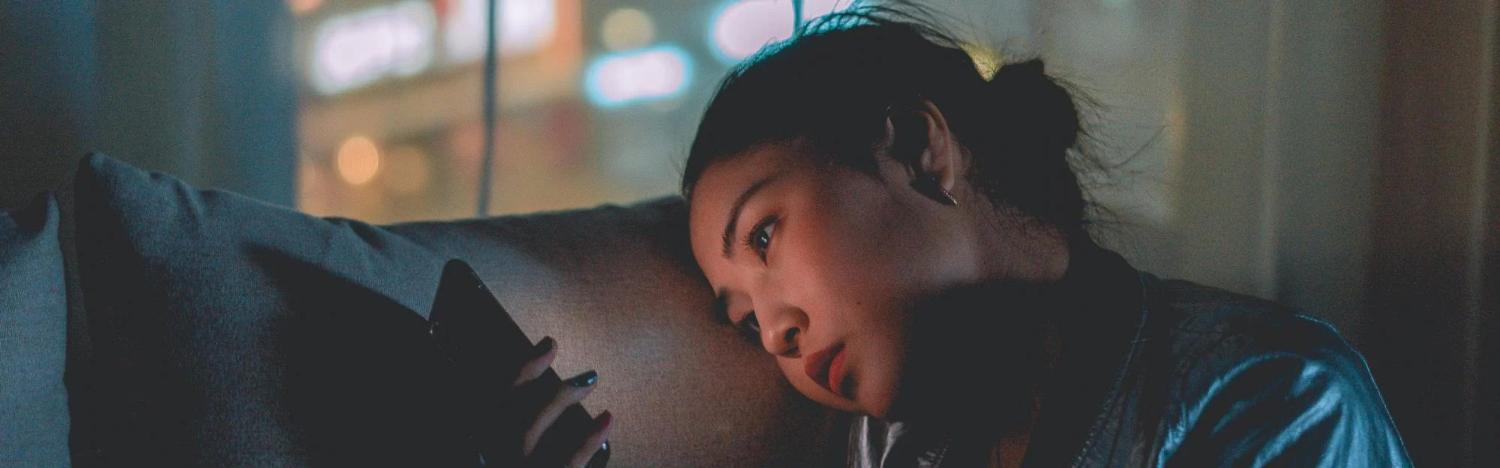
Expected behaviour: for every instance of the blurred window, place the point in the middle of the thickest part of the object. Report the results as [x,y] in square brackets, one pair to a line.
[597,100]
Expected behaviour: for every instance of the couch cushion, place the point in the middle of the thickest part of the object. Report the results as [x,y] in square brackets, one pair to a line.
[617,287]
[226,331]
[33,341]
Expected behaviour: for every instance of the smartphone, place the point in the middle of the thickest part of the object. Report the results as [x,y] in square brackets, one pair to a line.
[487,350]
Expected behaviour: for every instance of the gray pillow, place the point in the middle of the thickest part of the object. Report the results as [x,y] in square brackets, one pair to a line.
[33,341]
[226,331]
[618,288]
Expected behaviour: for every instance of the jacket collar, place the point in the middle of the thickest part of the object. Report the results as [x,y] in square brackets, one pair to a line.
[1098,324]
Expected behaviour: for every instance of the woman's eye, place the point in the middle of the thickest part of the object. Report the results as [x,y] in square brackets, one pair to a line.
[750,326]
[760,237]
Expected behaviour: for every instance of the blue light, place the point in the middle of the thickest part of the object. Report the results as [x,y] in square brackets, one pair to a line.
[636,76]
[739,28]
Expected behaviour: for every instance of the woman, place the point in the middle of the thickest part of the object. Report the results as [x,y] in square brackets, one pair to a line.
[908,239]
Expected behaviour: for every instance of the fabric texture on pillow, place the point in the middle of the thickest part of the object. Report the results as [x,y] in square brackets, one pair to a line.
[226,331]
[33,338]
[618,288]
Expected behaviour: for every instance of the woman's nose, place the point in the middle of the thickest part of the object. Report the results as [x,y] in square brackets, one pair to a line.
[781,331]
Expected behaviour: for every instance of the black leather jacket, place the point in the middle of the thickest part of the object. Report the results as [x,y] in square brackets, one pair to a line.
[1169,373]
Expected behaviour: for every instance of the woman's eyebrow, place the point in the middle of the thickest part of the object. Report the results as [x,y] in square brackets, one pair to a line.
[739,205]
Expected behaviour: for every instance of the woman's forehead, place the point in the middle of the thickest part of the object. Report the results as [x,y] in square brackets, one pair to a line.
[724,181]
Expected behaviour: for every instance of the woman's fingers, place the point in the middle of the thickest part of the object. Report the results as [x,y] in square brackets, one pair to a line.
[594,442]
[546,352]
[541,404]
[569,393]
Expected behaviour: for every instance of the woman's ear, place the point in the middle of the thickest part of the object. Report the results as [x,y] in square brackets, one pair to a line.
[921,140]
[942,158]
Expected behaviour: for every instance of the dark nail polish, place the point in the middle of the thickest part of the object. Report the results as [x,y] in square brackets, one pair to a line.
[586,379]
[542,347]
[601,457]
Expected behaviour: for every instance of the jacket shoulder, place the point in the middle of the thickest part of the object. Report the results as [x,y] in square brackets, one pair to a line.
[1249,381]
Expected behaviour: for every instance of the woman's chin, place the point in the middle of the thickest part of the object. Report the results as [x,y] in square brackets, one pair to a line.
[876,404]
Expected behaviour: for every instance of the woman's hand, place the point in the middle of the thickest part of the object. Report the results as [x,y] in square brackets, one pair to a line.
[538,404]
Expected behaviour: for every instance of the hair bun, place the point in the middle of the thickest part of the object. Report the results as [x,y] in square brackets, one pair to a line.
[1030,68]
[1029,98]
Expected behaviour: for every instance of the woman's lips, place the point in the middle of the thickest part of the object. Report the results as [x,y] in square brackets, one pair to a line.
[826,367]
[836,373]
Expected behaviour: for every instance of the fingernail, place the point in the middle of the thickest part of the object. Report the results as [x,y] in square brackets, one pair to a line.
[542,347]
[601,457]
[585,379]
[604,419]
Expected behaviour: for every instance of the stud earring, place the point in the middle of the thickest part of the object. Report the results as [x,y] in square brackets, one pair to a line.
[927,185]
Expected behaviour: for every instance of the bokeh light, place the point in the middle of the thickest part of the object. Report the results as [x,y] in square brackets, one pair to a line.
[359,48]
[358,160]
[651,74]
[525,27]
[741,28]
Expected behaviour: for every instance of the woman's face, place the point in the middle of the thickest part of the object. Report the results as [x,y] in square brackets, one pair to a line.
[824,263]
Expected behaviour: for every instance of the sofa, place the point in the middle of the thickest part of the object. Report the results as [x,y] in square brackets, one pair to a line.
[167,325]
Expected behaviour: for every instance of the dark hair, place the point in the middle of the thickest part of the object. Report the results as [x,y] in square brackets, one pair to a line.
[835,82]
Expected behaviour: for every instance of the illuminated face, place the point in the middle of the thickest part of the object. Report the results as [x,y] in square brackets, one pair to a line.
[822,265]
